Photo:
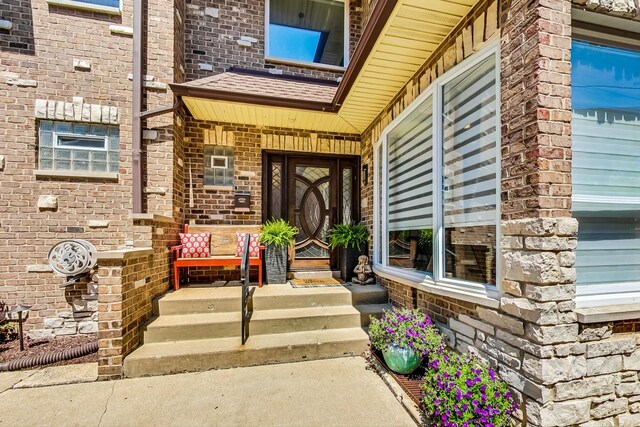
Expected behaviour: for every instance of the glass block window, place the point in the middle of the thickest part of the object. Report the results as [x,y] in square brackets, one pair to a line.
[78,147]
[218,165]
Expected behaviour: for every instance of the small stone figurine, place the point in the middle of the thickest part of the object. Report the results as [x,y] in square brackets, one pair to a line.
[363,272]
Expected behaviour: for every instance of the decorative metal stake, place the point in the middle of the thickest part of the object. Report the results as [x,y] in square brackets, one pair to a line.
[20,309]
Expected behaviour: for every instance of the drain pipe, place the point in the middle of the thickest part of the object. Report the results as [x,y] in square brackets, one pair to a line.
[136,124]
[48,358]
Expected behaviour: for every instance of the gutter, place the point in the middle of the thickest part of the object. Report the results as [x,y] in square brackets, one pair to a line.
[136,123]
[379,16]
[137,96]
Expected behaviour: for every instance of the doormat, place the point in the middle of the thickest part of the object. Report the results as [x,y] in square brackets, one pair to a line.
[316,283]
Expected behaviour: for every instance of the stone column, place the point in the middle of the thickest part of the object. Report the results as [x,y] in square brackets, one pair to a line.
[538,233]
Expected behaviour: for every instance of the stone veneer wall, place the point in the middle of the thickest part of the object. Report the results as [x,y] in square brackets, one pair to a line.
[128,282]
[563,372]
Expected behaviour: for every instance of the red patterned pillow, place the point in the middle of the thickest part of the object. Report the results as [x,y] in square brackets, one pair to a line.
[195,245]
[254,245]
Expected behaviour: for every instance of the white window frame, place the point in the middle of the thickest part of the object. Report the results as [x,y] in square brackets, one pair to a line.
[609,293]
[57,145]
[484,294]
[74,4]
[224,158]
[319,66]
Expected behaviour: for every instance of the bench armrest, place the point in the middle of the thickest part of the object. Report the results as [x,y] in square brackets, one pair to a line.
[176,251]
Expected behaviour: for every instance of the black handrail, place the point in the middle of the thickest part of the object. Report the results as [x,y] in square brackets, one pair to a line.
[247,293]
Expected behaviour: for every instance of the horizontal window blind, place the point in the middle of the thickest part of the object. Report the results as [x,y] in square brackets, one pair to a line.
[606,153]
[410,171]
[469,144]
[606,183]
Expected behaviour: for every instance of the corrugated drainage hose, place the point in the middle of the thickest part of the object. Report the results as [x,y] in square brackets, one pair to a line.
[46,359]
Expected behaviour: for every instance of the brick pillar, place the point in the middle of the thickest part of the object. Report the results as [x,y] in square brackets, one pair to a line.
[110,316]
[538,233]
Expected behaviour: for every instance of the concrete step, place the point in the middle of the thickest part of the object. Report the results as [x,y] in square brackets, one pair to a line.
[197,326]
[311,274]
[368,310]
[201,355]
[270,297]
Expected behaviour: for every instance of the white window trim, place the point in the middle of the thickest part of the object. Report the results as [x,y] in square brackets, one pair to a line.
[609,293]
[286,61]
[437,283]
[57,146]
[87,6]
[226,162]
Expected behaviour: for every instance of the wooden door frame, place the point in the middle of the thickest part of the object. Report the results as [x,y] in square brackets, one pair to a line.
[268,156]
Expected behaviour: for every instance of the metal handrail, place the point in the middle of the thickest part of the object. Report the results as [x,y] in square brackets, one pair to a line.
[247,292]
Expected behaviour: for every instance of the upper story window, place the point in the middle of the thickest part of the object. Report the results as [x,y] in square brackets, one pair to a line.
[605,87]
[105,6]
[307,32]
[78,147]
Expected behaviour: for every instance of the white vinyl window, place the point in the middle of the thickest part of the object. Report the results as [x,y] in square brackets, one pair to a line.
[606,170]
[308,32]
[103,6]
[78,147]
[437,175]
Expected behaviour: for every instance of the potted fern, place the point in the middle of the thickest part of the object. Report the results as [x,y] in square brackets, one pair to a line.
[352,239]
[277,235]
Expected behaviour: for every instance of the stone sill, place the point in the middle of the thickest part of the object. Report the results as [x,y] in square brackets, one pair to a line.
[445,290]
[39,173]
[150,217]
[218,188]
[608,313]
[122,254]
[313,65]
[85,6]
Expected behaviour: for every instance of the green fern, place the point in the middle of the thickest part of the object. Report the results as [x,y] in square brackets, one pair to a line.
[348,236]
[278,233]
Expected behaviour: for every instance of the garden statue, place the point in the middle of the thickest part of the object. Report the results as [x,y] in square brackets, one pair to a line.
[363,272]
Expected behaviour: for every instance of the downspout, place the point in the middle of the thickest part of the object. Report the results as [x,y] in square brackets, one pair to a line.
[136,124]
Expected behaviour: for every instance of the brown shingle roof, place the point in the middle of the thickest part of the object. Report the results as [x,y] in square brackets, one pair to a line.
[261,85]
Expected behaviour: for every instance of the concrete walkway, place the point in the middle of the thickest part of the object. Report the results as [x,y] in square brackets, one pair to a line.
[336,392]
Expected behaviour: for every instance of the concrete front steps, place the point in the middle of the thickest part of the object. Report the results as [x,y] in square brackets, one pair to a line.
[198,329]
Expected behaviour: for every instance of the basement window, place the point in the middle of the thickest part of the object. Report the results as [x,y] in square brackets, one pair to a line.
[104,6]
[218,166]
[78,147]
[307,32]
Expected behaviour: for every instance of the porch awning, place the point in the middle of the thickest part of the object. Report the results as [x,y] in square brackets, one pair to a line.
[399,37]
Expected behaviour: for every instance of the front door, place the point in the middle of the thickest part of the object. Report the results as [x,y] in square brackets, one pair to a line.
[313,194]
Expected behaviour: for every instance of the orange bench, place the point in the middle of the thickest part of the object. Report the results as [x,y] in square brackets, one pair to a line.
[223,247]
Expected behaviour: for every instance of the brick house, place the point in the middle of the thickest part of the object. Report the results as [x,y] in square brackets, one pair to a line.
[528,256]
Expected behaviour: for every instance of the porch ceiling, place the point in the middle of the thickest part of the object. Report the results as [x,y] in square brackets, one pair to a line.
[400,37]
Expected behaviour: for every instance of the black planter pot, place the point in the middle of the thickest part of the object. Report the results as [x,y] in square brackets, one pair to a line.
[276,264]
[349,261]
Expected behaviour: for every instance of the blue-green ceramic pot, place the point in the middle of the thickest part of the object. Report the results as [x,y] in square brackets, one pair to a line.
[401,360]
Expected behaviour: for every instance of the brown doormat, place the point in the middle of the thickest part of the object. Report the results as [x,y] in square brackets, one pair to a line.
[310,283]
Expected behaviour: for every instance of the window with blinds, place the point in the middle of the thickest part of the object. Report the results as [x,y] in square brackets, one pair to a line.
[469,132]
[606,163]
[410,190]
[438,174]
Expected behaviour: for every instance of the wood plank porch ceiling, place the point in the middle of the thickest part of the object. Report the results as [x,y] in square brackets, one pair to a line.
[400,37]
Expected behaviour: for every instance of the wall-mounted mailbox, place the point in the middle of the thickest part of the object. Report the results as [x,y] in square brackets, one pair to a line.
[242,202]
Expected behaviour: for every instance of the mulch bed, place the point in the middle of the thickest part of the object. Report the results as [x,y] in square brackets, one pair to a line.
[411,383]
[11,350]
